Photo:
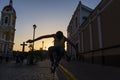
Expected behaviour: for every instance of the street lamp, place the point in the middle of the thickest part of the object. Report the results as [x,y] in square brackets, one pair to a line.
[42,45]
[34,27]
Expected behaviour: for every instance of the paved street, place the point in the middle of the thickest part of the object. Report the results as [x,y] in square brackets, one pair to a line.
[85,71]
[41,71]
[12,71]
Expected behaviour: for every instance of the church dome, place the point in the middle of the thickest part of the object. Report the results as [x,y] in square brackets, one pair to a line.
[9,8]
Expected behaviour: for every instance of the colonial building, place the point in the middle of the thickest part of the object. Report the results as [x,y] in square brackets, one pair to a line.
[7,28]
[98,36]
[80,15]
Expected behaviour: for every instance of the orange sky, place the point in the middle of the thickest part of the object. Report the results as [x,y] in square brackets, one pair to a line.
[49,17]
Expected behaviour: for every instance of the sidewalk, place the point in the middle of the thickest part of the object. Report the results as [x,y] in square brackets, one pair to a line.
[39,71]
[84,71]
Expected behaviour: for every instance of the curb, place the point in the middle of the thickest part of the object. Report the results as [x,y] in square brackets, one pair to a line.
[68,75]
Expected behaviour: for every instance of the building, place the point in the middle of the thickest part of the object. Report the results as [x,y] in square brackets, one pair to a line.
[80,15]
[7,28]
[98,39]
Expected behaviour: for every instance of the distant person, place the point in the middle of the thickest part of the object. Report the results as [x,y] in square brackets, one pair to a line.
[21,57]
[17,57]
[58,48]
[1,57]
[7,57]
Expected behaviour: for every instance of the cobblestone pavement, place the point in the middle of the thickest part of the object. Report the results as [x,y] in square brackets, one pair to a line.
[39,71]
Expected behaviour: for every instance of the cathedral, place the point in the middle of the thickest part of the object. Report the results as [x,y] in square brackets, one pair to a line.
[7,28]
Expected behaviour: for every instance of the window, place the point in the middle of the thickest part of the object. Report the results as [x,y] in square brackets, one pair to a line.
[7,9]
[85,18]
[6,20]
[0,35]
[0,47]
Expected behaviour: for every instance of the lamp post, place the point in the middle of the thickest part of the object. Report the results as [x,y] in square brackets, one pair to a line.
[42,45]
[34,27]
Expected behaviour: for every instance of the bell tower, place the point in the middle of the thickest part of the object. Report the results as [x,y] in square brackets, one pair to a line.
[7,28]
[8,17]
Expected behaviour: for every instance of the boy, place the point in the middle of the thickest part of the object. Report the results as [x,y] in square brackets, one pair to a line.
[58,48]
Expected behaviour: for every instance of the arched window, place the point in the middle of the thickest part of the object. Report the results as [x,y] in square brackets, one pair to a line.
[6,20]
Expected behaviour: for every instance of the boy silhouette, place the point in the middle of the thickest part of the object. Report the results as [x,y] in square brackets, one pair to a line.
[58,48]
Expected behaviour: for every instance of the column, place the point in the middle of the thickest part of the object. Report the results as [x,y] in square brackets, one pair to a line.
[91,37]
[6,49]
[82,42]
[99,31]
[11,21]
[2,47]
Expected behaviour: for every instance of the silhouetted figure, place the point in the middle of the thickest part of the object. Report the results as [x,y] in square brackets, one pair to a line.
[19,57]
[1,57]
[7,57]
[58,48]
[30,57]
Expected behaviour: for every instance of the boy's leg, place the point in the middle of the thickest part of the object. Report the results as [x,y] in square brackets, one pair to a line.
[51,50]
[60,54]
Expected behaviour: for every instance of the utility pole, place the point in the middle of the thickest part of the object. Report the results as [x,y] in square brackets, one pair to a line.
[42,45]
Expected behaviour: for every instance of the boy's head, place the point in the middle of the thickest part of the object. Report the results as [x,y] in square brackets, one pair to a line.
[59,34]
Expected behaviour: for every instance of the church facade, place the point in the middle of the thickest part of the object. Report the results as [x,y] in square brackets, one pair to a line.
[7,28]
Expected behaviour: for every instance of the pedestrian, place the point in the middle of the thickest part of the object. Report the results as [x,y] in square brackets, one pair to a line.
[7,57]
[58,48]
[17,57]
[1,57]
[30,57]
[21,57]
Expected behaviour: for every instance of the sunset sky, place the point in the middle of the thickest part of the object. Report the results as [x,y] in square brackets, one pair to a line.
[48,15]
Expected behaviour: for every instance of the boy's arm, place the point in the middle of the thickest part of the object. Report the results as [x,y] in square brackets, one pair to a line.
[76,49]
[41,37]
[69,42]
